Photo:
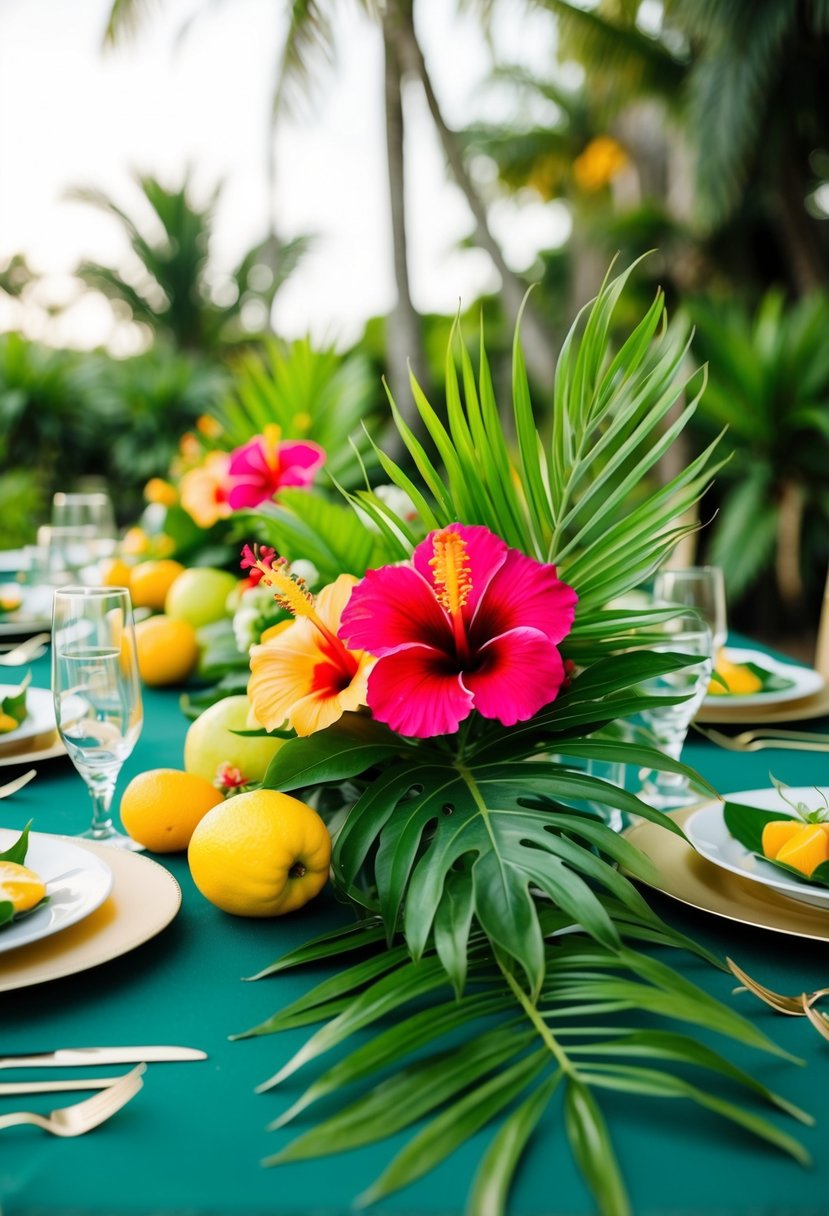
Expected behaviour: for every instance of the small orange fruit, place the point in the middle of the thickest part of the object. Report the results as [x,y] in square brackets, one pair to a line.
[115,572]
[161,808]
[167,650]
[806,850]
[21,887]
[776,833]
[260,854]
[150,582]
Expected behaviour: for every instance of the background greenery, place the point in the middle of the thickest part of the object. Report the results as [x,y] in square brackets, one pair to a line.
[699,129]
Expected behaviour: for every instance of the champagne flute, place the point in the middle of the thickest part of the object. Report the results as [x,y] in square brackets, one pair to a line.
[701,588]
[666,726]
[83,528]
[97,692]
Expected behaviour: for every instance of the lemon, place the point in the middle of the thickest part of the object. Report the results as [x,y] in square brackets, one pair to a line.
[200,596]
[21,887]
[160,808]
[115,572]
[150,582]
[167,650]
[260,854]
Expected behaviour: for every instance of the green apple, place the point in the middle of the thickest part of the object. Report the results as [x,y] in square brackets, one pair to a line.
[210,742]
[199,595]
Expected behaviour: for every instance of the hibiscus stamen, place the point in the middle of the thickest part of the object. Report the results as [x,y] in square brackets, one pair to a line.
[453,580]
[271,436]
[291,593]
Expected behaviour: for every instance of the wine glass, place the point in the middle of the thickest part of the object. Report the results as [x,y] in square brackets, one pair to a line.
[701,588]
[83,526]
[97,692]
[667,725]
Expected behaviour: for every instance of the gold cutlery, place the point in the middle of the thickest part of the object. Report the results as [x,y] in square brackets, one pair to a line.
[795,1006]
[26,652]
[82,1116]
[758,740]
[73,1057]
[15,1088]
[11,787]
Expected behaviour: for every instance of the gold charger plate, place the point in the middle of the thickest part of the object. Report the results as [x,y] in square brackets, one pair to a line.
[145,898]
[815,706]
[40,747]
[692,880]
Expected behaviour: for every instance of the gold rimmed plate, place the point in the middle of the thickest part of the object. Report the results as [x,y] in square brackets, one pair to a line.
[801,710]
[690,879]
[144,900]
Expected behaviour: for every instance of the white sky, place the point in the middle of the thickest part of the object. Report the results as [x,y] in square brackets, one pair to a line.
[71,115]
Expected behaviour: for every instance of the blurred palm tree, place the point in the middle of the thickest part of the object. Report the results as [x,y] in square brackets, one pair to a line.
[769,385]
[172,288]
[311,42]
[746,80]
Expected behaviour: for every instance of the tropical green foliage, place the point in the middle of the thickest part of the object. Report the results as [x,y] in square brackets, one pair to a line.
[171,287]
[65,415]
[769,385]
[468,853]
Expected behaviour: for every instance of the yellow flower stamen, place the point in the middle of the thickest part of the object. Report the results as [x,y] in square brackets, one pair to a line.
[291,594]
[453,581]
[272,435]
[450,563]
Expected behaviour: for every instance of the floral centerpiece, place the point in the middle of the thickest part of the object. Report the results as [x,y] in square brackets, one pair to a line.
[455,674]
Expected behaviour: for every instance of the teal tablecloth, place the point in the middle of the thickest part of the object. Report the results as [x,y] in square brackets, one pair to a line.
[191,1142]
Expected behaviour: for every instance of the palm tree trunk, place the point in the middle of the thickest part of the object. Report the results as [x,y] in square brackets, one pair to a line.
[404,343]
[805,257]
[537,342]
[789,538]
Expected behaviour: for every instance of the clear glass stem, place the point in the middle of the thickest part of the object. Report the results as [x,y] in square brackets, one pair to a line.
[101,790]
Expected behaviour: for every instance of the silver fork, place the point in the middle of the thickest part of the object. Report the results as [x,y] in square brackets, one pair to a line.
[26,652]
[755,741]
[81,1117]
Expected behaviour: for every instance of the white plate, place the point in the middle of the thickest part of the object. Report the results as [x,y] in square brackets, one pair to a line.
[77,882]
[34,613]
[40,716]
[710,837]
[805,682]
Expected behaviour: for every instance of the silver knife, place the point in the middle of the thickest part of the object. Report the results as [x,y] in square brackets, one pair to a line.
[87,1057]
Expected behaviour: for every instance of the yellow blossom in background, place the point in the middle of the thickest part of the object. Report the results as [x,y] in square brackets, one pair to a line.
[203,490]
[189,447]
[208,426]
[302,422]
[135,542]
[599,163]
[158,490]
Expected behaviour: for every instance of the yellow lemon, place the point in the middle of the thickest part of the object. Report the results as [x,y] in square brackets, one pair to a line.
[150,582]
[115,572]
[21,887]
[167,650]
[160,808]
[260,854]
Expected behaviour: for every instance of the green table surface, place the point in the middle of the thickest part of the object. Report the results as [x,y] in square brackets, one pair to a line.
[192,1141]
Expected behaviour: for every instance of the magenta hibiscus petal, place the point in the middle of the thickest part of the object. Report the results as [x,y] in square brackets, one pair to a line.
[417,694]
[518,674]
[264,465]
[544,602]
[469,625]
[391,608]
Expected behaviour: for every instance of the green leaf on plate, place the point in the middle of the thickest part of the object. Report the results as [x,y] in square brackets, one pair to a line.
[6,912]
[15,703]
[17,851]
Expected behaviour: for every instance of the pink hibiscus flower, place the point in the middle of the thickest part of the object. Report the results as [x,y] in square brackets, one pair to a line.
[468,624]
[265,465]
